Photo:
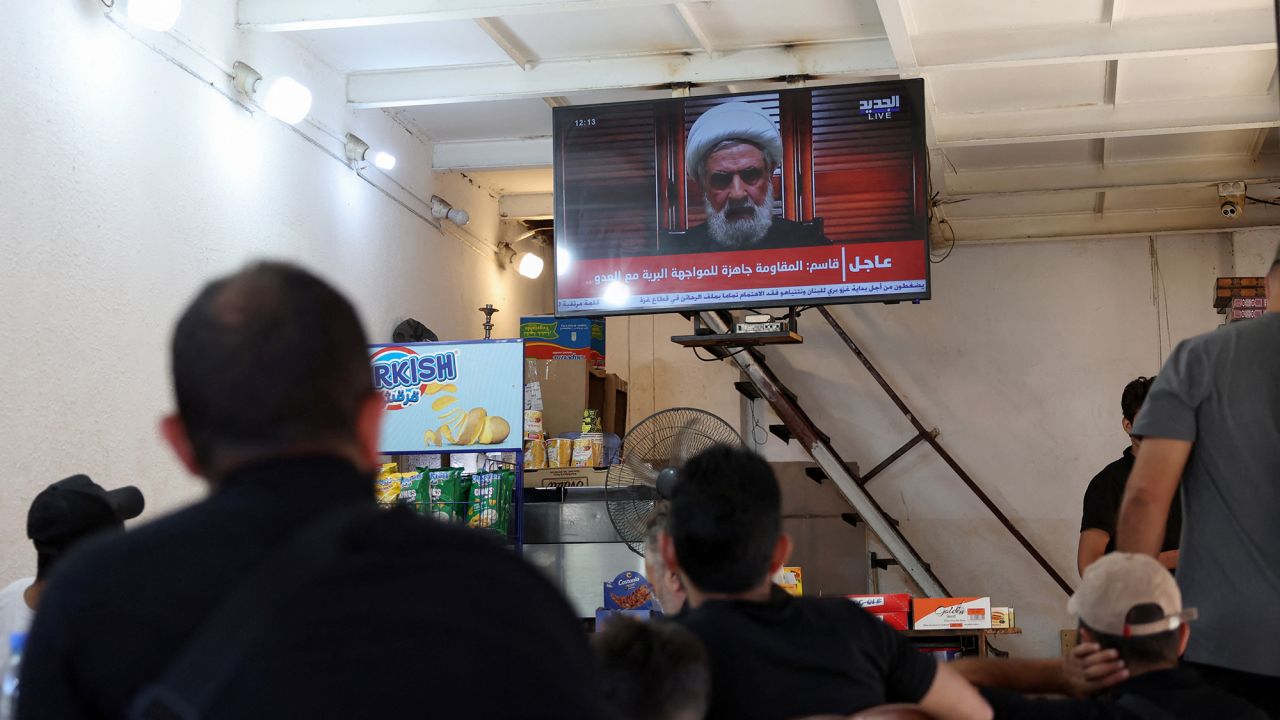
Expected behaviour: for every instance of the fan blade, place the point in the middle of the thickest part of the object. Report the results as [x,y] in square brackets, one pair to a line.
[641,469]
[681,451]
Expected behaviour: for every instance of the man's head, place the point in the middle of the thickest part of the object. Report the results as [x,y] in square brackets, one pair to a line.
[652,671]
[270,361]
[732,152]
[1130,602]
[724,533]
[665,582]
[72,510]
[1135,393]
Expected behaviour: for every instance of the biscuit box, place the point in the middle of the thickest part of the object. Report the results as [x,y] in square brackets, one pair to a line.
[552,338]
[604,617]
[895,620]
[895,603]
[629,591]
[966,613]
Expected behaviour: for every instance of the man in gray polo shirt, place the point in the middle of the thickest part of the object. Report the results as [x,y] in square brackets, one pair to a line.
[1212,423]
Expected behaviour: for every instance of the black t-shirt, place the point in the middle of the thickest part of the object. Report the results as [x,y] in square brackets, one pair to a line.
[1175,694]
[1106,492]
[415,618]
[792,657]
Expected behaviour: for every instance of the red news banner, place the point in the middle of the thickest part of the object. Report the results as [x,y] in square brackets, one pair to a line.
[758,277]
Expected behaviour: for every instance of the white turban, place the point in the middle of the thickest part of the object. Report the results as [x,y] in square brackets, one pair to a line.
[731,121]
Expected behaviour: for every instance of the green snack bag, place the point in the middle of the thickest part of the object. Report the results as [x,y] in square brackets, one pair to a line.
[413,490]
[463,506]
[490,500]
[444,487]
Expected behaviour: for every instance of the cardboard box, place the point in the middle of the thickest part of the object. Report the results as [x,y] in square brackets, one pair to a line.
[562,385]
[552,338]
[565,477]
[895,603]
[1002,618]
[895,620]
[967,613]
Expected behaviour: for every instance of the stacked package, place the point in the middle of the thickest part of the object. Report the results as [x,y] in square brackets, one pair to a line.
[894,610]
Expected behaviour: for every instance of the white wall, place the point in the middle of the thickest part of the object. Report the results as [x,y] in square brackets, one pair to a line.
[126,183]
[1019,359]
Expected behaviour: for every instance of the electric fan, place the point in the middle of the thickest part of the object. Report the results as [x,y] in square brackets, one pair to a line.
[652,454]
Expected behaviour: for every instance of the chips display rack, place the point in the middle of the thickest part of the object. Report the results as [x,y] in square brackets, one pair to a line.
[513,534]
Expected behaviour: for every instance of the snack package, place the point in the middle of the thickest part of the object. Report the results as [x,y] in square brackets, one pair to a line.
[532,422]
[586,452]
[629,591]
[491,494]
[590,421]
[535,454]
[412,490]
[559,452]
[447,498]
[386,489]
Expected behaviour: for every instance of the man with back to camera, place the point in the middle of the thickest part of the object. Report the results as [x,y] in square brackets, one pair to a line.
[61,516]
[276,409]
[1102,498]
[772,655]
[732,152]
[1211,425]
[1130,603]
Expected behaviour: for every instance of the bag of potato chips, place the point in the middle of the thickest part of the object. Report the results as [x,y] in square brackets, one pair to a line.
[448,498]
[491,494]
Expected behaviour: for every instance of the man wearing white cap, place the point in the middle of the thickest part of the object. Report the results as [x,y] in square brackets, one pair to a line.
[732,152]
[1211,426]
[1131,604]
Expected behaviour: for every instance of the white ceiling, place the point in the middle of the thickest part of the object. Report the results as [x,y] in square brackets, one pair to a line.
[1037,107]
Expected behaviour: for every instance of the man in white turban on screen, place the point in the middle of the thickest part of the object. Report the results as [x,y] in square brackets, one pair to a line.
[732,152]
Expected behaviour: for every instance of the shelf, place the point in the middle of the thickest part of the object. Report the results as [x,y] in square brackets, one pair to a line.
[952,632]
[739,339]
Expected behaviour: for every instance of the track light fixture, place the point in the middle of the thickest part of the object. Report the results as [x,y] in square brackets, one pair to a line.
[526,263]
[357,151]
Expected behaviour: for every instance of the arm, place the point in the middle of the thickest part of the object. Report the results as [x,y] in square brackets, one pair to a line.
[951,696]
[1093,544]
[1148,494]
[1169,559]
[1087,670]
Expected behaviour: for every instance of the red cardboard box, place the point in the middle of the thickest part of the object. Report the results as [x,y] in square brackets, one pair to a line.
[877,604]
[895,620]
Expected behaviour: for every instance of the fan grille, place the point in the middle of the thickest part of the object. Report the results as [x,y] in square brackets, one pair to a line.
[668,438]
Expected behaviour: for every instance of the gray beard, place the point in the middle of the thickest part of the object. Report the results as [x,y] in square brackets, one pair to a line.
[740,233]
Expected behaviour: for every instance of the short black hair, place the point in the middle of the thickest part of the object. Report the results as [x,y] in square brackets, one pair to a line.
[268,358]
[1135,393]
[1157,649]
[655,670]
[725,520]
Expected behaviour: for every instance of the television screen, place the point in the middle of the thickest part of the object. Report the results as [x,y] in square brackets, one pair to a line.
[797,197]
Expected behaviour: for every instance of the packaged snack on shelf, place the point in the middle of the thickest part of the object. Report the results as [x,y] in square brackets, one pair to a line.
[532,422]
[448,498]
[896,602]
[386,489]
[895,620]
[413,490]
[559,452]
[629,591]
[535,454]
[604,617]
[491,494]
[591,421]
[1002,618]
[587,452]
[790,579]
[948,613]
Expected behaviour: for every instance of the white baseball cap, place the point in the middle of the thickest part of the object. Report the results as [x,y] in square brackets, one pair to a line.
[1119,582]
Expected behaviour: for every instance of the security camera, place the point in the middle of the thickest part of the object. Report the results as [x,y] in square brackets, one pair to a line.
[1229,209]
[1231,198]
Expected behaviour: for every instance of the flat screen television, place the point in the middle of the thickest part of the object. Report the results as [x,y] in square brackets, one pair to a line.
[803,196]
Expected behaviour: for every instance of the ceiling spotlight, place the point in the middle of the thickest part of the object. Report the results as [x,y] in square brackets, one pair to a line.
[442,210]
[530,266]
[283,98]
[384,160]
[357,151]
[158,15]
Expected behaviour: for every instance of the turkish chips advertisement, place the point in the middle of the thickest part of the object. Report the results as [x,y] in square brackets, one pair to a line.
[450,397]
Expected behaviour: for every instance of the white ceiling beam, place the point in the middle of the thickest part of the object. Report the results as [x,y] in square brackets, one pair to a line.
[1097,121]
[1180,172]
[504,154]
[695,28]
[526,206]
[1086,225]
[1259,139]
[899,27]
[433,86]
[1056,44]
[293,15]
[504,38]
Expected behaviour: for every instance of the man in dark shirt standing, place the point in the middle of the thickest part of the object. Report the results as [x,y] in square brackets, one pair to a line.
[276,409]
[1106,490]
[774,656]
